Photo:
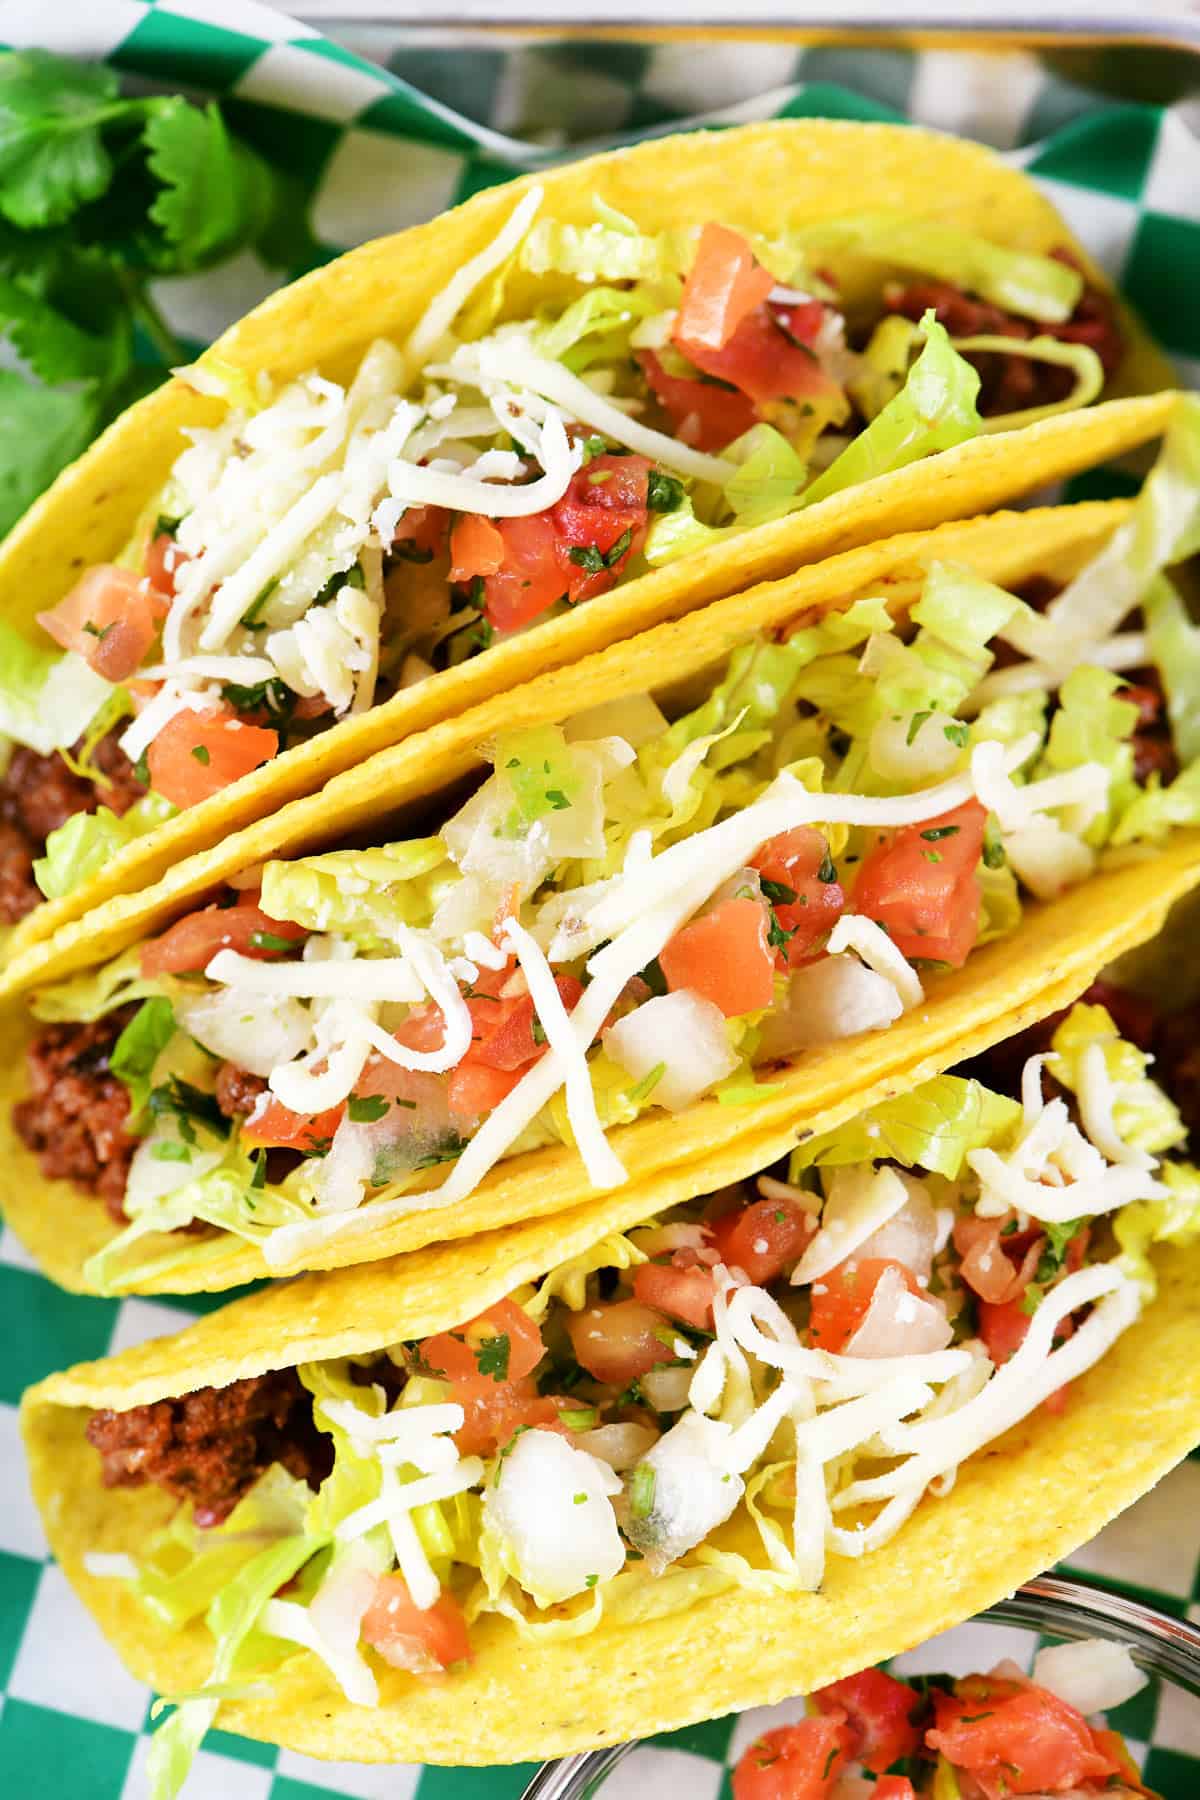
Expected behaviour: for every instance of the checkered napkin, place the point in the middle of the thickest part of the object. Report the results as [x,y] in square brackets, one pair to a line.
[376,145]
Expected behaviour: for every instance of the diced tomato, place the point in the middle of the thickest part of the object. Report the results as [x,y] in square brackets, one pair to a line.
[920,884]
[574,550]
[529,581]
[163,561]
[421,532]
[706,414]
[276,1127]
[1113,1745]
[724,957]
[476,547]
[502,1344]
[723,284]
[474,1089]
[794,860]
[619,1340]
[110,618]
[685,1294]
[190,944]
[422,1640]
[998,1263]
[794,1762]
[894,1787]
[841,1298]
[761,361]
[761,1239]
[493,1412]
[1002,1326]
[1028,1743]
[801,319]
[878,1712]
[511,1041]
[198,754]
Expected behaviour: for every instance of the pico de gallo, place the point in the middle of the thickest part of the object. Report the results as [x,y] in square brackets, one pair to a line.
[628,914]
[968,1737]
[723,1396]
[328,544]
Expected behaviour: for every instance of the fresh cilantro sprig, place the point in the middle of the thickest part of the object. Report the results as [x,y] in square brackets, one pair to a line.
[100,193]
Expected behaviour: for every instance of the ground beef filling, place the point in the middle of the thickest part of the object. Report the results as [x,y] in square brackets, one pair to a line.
[211,1446]
[74,1116]
[1015,383]
[237,1092]
[40,793]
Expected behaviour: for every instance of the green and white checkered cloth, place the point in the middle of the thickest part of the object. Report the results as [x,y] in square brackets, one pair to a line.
[373,146]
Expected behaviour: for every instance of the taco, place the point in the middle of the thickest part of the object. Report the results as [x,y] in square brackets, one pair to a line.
[637,943]
[664,1456]
[586,403]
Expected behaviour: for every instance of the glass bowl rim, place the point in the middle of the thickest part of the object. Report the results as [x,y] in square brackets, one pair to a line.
[1162,1646]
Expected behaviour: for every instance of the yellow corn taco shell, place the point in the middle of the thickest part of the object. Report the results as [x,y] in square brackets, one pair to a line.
[1058,950]
[761,178]
[1027,1500]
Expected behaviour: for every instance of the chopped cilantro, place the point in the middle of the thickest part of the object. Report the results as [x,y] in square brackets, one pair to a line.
[579,1499]
[166,526]
[641,1491]
[664,493]
[827,872]
[646,1085]
[939,831]
[957,734]
[202,754]
[491,1356]
[579,1418]
[654,978]
[557,799]
[364,1109]
[587,557]
[270,940]
[250,616]
[915,724]
[778,894]
[170,1151]
[993,854]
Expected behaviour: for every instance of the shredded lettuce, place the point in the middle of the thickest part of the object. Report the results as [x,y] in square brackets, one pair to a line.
[1175,1220]
[138,1049]
[1175,652]
[1159,810]
[1020,281]
[361,894]
[680,533]
[87,842]
[932,1128]
[934,410]
[182,1570]
[568,1281]
[231,1618]
[769,475]
[87,997]
[1093,724]
[597,326]
[1162,528]
[48,698]
[957,615]
[1143,1114]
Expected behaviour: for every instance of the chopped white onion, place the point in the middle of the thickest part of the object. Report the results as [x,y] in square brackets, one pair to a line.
[860,1199]
[681,1031]
[1092,1676]
[897,1323]
[689,1493]
[870,942]
[551,1504]
[256,1032]
[835,997]
[666,1389]
[619,1445]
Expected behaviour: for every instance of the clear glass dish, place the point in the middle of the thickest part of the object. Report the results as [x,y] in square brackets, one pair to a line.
[1165,1648]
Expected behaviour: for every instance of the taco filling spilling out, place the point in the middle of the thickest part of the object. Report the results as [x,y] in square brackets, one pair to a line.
[328,544]
[631,914]
[723,1397]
